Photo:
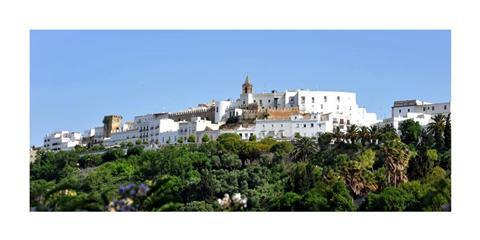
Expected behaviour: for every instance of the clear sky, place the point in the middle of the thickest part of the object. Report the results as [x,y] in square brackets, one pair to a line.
[77,77]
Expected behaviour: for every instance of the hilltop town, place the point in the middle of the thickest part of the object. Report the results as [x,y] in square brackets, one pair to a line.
[277,115]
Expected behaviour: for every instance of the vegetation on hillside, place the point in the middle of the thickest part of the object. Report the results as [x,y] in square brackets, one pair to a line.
[365,169]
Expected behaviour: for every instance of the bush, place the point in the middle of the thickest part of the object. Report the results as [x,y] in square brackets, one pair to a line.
[134,151]
[390,199]
[112,155]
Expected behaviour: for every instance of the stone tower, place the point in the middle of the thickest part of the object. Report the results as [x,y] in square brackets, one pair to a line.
[247,87]
[111,123]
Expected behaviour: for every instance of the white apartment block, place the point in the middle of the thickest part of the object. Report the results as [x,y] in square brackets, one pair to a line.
[420,111]
[62,140]
[402,108]
[303,125]
[196,124]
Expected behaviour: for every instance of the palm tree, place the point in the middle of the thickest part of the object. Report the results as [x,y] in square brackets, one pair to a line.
[388,128]
[352,133]
[396,156]
[437,128]
[364,135]
[448,132]
[303,148]
[374,132]
[338,135]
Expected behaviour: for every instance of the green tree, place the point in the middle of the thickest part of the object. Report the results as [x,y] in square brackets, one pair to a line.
[192,139]
[205,138]
[390,199]
[281,150]
[252,138]
[422,164]
[289,201]
[91,160]
[134,151]
[230,142]
[112,155]
[410,131]
[303,148]
[325,140]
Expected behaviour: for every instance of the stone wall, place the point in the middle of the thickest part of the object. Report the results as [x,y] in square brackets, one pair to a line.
[208,114]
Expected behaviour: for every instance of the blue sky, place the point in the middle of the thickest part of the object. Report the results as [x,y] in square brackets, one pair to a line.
[77,77]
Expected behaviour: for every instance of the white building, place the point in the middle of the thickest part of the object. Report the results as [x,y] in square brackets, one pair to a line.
[196,124]
[305,101]
[119,137]
[420,111]
[221,108]
[402,108]
[244,132]
[303,125]
[62,140]
[155,130]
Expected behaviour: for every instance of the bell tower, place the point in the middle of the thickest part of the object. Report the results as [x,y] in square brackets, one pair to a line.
[247,92]
[247,87]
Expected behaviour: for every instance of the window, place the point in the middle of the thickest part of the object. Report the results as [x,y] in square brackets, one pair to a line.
[341,121]
[243,102]
[338,107]
[424,108]
[216,109]
[321,106]
[304,125]
[272,126]
[255,101]
[444,107]
[399,110]
[338,98]
[311,125]
[240,134]
[260,101]
[433,108]
[303,99]
[291,99]
[298,125]
[281,125]
[325,98]
[348,121]
[269,100]
[408,109]
[313,100]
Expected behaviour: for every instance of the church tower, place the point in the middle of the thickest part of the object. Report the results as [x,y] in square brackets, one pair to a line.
[247,87]
[247,92]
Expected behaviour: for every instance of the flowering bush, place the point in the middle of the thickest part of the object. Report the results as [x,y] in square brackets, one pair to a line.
[131,199]
[237,202]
